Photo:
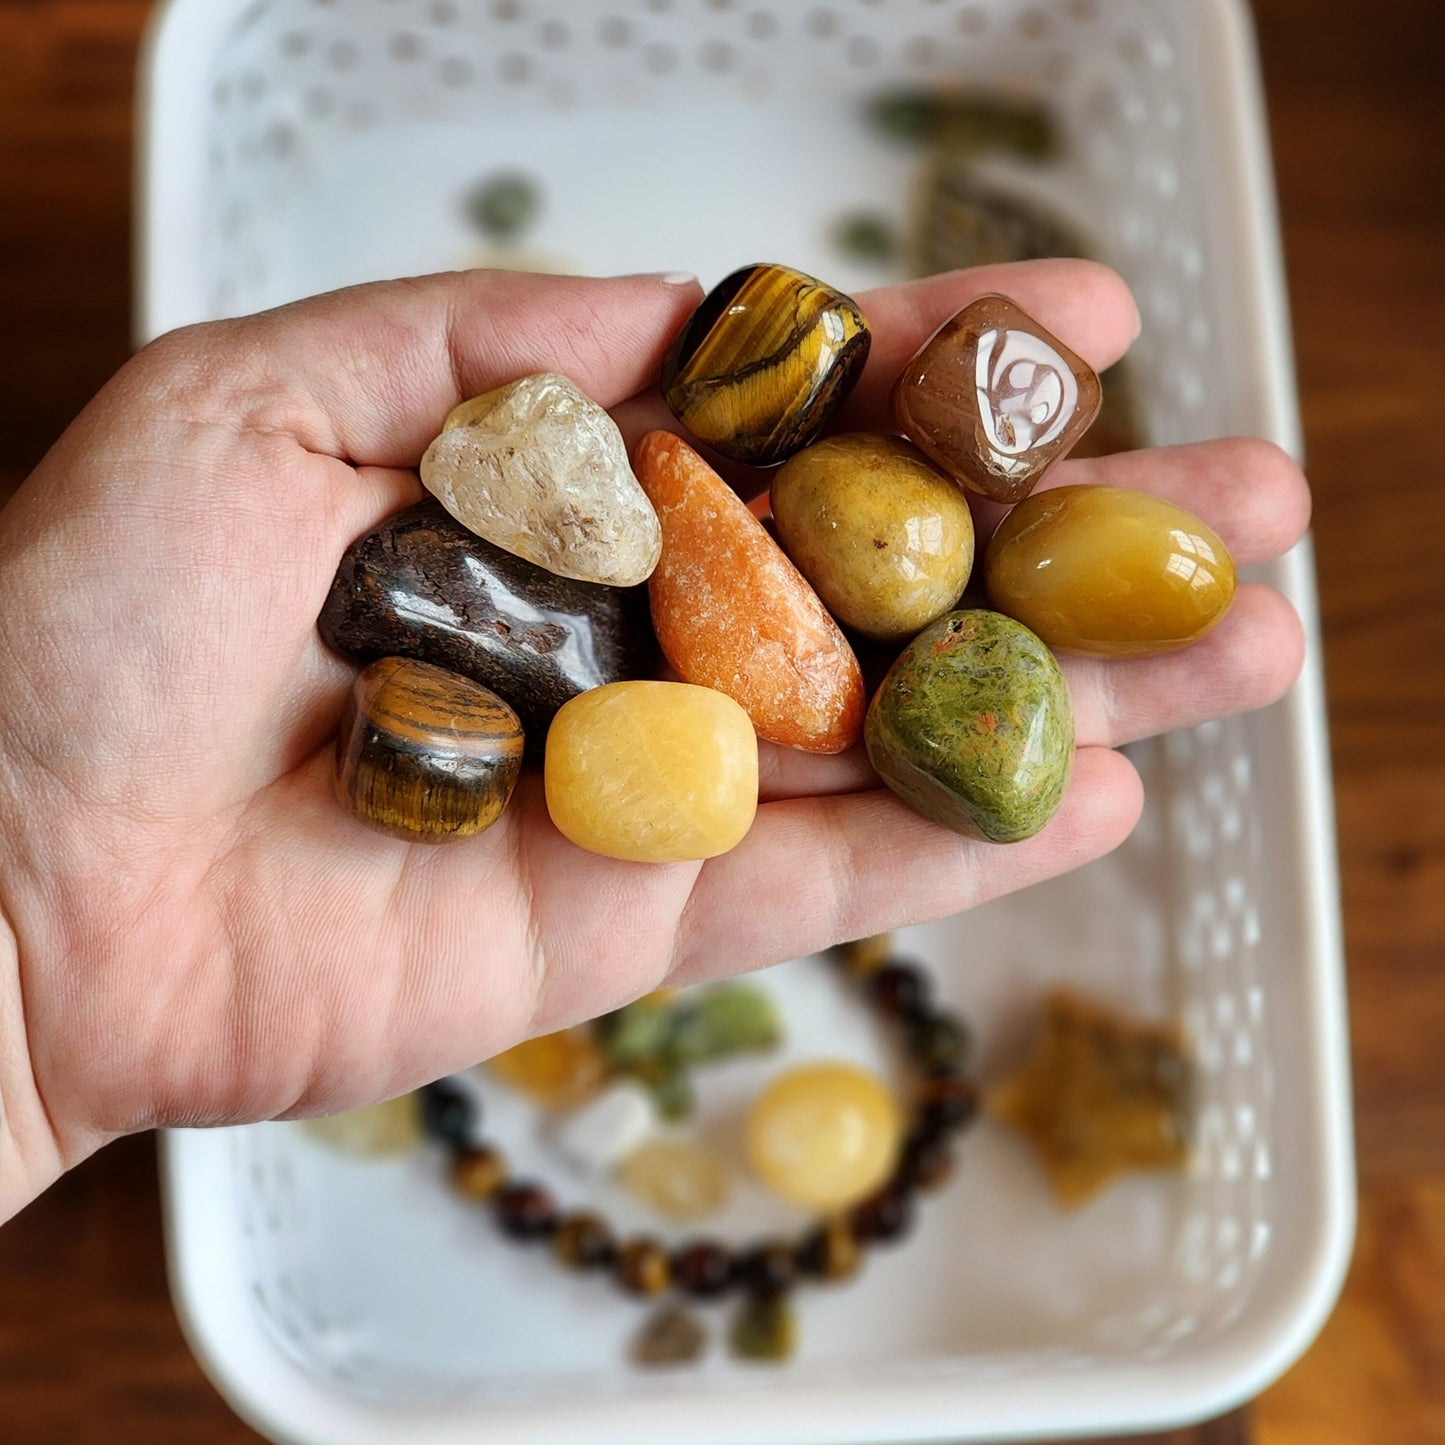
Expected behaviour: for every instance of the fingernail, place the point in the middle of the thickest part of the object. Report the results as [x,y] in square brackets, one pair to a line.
[667,278]
[1138,326]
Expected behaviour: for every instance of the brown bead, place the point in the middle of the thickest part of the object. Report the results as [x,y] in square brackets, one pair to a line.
[425,754]
[885,1217]
[703,1269]
[864,956]
[946,1103]
[900,990]
[831,1251]
[584,1241]
[994,399]
[526,1211]
[643,1267]
[939,1043]
[927,1162]
[768,1270]
[478,1173]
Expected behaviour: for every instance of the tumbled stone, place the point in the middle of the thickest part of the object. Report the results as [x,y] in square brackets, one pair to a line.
[677,1178]
[540,470]
[425,754]
[764,362]
[764,1330]
[559,1071]
[824,1135]
[732,613]
[1098,1095]
[673,1336]
[994,399]
[422,585]
[654,772]
[605,1131]
[393,1127]
[885,538]
[1109,572]
[973,727]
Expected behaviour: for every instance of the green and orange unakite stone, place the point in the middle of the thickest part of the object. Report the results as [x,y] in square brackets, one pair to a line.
[763,363]
[973,727]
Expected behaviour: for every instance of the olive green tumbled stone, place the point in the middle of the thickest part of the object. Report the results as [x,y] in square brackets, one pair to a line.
[973,727]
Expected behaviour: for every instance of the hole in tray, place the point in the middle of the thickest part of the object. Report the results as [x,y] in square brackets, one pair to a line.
[613,30]
[317,102]
[717,56]
[862,51]
[1083,10]
[342,55]
[296,42]
[404,46]
[822,24]
[1033,24]
[553,34]
[455,73]
[659,7]
[253,86]
[920,50]
[515,68]
[972,20]
[506,10]
[762,25]
[442,12]
[659,57]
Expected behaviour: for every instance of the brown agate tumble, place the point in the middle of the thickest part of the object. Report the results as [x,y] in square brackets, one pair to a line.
[994,399]
[421,585]
[424,754]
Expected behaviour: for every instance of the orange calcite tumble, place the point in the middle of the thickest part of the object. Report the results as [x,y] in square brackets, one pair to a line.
[559,1071]
[732,613]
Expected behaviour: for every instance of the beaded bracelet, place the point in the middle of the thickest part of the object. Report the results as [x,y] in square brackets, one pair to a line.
[936,1043]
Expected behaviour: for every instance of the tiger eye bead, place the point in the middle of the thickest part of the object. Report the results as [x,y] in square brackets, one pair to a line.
[885,1216]
[643,1267]
[425,754]
[478,1173]
[526,1211]
[764,362]
[449,1114]
[900,990]
[946,1103]
[768,1270]
[703,1269]
[926,1163]
[583,1241]
[938,1043]
[831,1251]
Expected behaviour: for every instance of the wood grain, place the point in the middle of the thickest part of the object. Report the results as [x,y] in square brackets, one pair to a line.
[89,1347]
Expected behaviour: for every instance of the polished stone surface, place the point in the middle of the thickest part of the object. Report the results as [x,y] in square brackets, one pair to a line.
[1099,1095]
[885,539]
[732,613]
[677,1178]
[1109,572]
[764,362]
[421,585]
[994,399]
[654,772]
[973,727]
[560,1070]
[540,470]
[425,754]
[824,1135]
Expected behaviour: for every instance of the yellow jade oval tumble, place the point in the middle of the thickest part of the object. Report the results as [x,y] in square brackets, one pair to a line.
[824,1135]
[652,772]
[1108,571]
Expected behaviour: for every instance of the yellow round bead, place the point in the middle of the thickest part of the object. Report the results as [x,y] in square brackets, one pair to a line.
[824,1135]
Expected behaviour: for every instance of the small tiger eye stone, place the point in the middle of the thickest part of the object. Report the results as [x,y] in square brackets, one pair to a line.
[558,1071]
[644,1267]
[831,1251]
[884,537]
[824,1135]
[732,613]
[1109,572]
[583,1241]
[540,470]
[764,362]
[974,728]
[424,754]
[478,1173]
[994,399]
[653,772]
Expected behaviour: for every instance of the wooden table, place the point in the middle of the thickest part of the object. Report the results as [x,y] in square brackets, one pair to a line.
[89,1348]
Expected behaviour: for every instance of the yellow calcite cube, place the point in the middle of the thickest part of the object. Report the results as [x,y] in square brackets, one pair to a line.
[652,772]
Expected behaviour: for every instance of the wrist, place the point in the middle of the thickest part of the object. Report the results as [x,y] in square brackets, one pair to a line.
[30,1156]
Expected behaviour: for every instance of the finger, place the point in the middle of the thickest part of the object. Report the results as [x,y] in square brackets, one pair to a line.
[788,773]
[1250,660]
[369,373]
[1086,305]
[815,870]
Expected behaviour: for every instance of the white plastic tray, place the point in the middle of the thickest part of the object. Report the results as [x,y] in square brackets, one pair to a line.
[294,145]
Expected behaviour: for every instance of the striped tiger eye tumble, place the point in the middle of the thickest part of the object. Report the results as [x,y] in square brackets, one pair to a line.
[479,1173]
[425,754]
[764,362]
[831,1251]
[643,1267]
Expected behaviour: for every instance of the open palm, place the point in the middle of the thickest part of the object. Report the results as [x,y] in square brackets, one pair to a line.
[204,935]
